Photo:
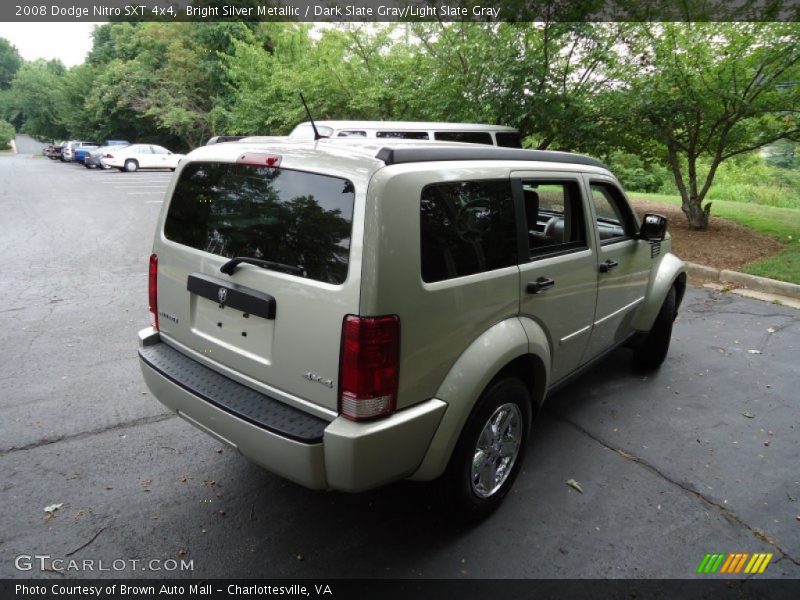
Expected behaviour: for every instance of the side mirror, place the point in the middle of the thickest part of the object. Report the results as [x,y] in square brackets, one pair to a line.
[654,227]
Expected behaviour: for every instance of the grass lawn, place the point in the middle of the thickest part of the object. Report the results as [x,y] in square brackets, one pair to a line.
[781,223]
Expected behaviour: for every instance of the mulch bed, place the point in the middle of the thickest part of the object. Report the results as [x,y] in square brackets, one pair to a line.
[726,245]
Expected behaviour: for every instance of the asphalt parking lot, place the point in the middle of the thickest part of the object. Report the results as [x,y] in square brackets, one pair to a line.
[703,456]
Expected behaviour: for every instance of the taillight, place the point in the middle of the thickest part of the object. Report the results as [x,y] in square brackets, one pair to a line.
[369,368]
[152,288]
[109,156]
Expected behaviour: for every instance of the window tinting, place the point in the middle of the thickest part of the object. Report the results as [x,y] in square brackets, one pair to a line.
[508,139]
[291,217]
[403,135]
[470,137]
[466,227]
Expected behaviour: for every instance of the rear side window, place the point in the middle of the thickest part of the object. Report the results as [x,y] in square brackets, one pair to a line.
[403,135]
[466,227]
[291,217]
[469,137]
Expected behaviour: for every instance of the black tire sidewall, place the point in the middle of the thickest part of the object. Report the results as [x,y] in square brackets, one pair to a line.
[458,494]
[654,350]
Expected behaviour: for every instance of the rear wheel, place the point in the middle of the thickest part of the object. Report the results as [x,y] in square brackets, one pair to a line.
[131,166]
[489,453]
[652,352]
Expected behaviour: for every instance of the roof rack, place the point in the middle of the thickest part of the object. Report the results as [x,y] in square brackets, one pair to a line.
[396,156]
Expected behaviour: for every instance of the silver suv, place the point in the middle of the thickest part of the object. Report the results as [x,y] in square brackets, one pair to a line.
[347,313]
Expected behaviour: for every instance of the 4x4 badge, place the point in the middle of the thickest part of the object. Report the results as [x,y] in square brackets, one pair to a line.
[222,294]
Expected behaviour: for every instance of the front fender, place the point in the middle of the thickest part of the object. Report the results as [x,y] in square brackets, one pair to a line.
[465,382]
[669,270]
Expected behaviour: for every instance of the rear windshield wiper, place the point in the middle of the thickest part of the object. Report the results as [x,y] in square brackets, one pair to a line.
[229,267]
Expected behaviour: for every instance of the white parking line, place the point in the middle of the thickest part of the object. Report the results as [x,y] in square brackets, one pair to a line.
[153,201]
[136,187]
[142,193]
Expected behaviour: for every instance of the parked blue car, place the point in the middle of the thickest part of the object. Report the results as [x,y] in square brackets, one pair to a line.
[82,152]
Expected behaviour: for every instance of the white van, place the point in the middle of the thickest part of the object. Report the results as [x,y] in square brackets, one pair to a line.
[493,135]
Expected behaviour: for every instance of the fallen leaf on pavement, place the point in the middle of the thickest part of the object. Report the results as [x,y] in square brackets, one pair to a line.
[754,351]
[574,485]
[53,508]
[748,415]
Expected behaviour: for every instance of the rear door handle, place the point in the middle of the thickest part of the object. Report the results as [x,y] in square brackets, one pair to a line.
[541,284]
[607,265]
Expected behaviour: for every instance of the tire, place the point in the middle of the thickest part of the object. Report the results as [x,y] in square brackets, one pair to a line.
[471,492]
[131,166]
[653,350]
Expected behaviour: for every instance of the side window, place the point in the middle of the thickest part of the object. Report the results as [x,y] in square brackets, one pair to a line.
[469,137]
[144,150]
[351,133]
[554,215]
[159,150]
[614,219]
[466,227]
[403,135]
[508,140]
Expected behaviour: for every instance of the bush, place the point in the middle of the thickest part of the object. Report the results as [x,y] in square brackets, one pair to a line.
[636,175]
[7,134]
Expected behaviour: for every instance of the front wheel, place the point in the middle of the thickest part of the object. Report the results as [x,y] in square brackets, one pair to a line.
[489,453]
[652,352]
[131,166]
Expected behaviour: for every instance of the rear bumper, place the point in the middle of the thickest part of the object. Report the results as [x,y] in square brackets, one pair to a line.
[340,454]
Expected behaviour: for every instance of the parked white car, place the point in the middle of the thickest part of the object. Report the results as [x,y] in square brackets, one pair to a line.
[142,156]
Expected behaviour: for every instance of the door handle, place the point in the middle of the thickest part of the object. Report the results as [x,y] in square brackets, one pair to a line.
[607,265]
[541,284]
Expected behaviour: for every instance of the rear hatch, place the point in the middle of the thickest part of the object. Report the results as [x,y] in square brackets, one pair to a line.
[275,325]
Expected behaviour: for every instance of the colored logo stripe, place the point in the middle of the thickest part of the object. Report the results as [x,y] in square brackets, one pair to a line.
[758,564]
[733,563]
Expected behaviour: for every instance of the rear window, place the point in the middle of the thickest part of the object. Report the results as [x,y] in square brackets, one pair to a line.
[469,137]
[291,217]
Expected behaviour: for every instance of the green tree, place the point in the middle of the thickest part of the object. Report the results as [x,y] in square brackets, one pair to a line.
[34,98]
[707,92]
[10,62]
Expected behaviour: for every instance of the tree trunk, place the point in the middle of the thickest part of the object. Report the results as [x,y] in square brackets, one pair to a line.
[696,214]
[692,200]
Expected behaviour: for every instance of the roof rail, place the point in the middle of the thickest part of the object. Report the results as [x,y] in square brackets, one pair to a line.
[396,156]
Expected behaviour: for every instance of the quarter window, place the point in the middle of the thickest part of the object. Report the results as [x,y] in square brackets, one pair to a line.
[466,227]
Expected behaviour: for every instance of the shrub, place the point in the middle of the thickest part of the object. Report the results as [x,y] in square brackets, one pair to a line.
[635,174]
[7,134]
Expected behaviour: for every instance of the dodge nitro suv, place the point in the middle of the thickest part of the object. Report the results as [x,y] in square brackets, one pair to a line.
[347,313]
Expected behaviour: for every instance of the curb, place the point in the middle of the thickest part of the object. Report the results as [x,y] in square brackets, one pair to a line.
[753,282]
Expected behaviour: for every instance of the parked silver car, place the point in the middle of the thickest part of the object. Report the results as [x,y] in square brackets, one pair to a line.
[347,313]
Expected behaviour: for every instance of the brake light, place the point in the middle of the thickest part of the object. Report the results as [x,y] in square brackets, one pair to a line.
[152,288]
[109,156]
[259,159]
[369,370]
